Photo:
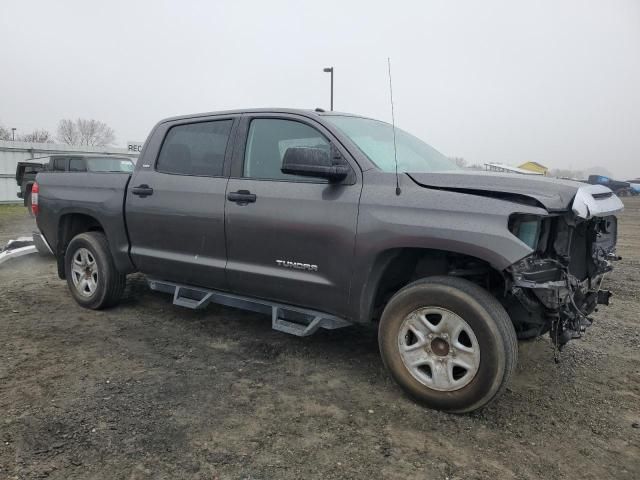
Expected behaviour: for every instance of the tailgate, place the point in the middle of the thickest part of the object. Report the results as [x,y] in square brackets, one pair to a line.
[27,167]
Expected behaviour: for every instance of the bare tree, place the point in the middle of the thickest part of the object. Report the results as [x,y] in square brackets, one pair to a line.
[67,132]
[5,133]
[91,133]
[95,133]
[37,136]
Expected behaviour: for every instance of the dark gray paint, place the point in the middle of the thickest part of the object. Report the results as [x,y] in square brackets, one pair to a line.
[300,222]
[177,232]
[190,233]
[310,221]
[97,195]
[553,194]
[426,218]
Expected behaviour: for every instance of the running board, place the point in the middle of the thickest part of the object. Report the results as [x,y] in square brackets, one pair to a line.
[284,318]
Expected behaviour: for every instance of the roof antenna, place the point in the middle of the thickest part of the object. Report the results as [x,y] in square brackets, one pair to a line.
[393,124]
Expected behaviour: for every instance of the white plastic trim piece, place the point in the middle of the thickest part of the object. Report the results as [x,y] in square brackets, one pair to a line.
[16,252]
[19,239]
[586,206]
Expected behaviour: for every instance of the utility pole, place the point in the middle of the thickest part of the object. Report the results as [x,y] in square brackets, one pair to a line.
[330,70]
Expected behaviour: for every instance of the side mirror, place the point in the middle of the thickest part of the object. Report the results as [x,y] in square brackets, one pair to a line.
[315,162]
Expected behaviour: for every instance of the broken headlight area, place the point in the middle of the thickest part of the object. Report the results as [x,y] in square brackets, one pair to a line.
[526,228]
[557,287]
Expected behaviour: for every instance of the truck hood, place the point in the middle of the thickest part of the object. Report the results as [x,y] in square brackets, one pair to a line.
[550,193]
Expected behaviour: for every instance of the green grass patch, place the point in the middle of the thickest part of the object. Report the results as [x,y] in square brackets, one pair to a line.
[8,210]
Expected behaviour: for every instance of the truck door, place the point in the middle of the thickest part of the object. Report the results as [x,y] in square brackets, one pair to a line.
[175,202]
[289,239]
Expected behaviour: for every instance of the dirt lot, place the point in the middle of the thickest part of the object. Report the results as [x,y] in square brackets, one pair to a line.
[149,390]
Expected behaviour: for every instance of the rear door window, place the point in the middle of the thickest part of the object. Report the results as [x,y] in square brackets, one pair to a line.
[60,164]
[77,165]
[195,149]
[109,164]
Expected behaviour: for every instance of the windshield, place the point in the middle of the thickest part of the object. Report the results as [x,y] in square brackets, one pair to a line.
[109,164]
[375,140]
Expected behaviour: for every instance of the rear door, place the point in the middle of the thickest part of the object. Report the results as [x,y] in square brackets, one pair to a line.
[289,239]
[175,202]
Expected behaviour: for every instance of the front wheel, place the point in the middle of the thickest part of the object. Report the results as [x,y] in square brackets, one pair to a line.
[448,343]
[91,274]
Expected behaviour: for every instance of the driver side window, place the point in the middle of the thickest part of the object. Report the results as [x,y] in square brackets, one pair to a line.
[267,142]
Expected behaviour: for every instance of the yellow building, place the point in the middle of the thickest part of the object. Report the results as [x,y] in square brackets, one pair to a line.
[534,167]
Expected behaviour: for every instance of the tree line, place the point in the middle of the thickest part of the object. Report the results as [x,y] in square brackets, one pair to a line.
[80,132]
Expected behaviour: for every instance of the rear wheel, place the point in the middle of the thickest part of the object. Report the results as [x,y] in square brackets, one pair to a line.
[91,275]
[448,343]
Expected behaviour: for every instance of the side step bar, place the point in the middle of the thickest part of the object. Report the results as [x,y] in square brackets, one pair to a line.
[284,318]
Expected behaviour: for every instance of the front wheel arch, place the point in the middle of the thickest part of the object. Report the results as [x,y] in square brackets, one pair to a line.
[394,269]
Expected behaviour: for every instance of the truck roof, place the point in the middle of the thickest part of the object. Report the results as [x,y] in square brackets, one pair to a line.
[297,111]
[79,154]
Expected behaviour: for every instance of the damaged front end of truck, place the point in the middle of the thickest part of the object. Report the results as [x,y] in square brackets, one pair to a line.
[558,285]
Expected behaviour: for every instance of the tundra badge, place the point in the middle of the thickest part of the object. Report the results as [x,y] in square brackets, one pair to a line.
[297,265]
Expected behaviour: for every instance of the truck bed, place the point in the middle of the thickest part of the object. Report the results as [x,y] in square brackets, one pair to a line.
[100,195]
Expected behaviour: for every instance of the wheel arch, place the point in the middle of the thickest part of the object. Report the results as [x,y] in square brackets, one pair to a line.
[70,225]
[394,268]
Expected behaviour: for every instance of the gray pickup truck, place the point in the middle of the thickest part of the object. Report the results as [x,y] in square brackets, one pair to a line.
[325,220]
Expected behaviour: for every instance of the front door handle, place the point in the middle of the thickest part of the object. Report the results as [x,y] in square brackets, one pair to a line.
[142,190]
[241,197]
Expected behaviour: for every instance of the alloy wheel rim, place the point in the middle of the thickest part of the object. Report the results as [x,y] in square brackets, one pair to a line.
[84,272]
[439,348]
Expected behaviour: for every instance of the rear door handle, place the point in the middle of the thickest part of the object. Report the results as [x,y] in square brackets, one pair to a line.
[242,197]
[142,190]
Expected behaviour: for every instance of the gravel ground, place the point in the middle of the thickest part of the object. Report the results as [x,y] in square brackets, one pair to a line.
[149,390]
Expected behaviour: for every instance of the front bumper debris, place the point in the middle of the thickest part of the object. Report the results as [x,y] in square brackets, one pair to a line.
[24,246]
[595,201]
[559,286]
[17,248]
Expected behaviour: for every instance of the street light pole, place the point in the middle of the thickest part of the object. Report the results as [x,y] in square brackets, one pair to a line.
[13,134]
[330,70]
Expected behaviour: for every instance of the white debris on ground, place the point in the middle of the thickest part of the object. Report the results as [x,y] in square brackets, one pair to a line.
[16,248]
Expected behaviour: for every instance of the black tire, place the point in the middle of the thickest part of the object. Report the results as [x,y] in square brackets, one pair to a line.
[28,204]
[489,322]
[110,283]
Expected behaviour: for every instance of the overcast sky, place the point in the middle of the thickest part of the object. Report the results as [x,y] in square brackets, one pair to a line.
[557,82]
